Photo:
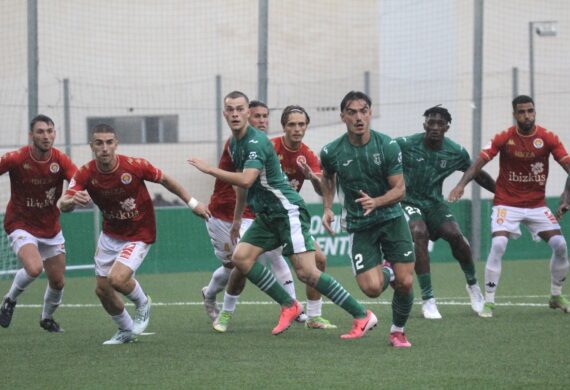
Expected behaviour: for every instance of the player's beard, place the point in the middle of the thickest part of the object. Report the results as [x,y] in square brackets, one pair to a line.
[526,126]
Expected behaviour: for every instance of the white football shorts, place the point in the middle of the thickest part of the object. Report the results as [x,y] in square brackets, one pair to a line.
[47,247]
[508,219]
[219,232]
[109,250]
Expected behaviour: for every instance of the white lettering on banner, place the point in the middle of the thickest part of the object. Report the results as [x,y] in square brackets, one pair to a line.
[334,246]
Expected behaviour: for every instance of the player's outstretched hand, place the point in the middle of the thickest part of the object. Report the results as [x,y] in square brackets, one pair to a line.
[81,198]
[306,169]
[202,211]
[200,164]
[368,204]
[328,219]
[455,194]
[234,231]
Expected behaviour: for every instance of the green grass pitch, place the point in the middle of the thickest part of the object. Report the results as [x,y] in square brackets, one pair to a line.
[526,344]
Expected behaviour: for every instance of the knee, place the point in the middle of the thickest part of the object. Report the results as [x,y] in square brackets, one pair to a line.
[303,275]
[321,260]
[371,291]
[404,283]
[100,292]
[419,233]
[558,245]
[34,270]
[57,284]
[116,281]
[499,245]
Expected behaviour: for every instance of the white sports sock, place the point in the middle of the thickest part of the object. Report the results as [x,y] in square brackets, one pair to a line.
[314,308]
[21,281]
[395,328]
[558,263]
[230,302]
[137,296]
[218,281]
[493,266]
[282,272]
[52,299]
[123,320]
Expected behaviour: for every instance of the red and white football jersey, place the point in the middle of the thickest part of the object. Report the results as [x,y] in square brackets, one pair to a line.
[523,165]
[35,189]
[289,158]
[122,197]
[223,199]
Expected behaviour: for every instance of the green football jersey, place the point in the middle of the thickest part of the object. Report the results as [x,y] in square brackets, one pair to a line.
[271,191]
[426,169]
[363,168]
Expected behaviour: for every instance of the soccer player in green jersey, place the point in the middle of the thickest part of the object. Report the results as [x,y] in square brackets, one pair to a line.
[367,166]
[429,158]
[281,219]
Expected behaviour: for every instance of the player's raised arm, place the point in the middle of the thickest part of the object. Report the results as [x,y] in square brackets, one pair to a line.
[457,192]
[198,208]
[243,179]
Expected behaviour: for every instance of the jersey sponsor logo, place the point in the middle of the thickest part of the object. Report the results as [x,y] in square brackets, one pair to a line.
[419,159]
[511,142]
[253,141]
[54,167]
[26,166]
[538,143]
[376,157]
[524,154]
[128,204]
[47,202]
[126,178]
[406,254]
[347,163]
[519,177]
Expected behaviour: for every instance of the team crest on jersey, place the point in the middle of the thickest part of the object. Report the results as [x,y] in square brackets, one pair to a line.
[301,159]
[54,167]
[376,157]
[126,178]
[443,163]
[538,143]
[252,156]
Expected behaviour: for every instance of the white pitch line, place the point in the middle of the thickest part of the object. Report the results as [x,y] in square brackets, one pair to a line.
[441,301]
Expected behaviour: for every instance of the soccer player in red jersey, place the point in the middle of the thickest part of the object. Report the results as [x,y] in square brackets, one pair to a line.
[116,184]
[299,162]
[37,172]
[520,197]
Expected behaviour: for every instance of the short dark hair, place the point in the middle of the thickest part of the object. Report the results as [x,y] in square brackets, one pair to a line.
[258,103]
[102,128]
[354,95]
[290,110]
[236,95]
[521,99]
[438,110]
[40,118]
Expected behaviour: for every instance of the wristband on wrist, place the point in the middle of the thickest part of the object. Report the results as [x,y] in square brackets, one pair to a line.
[192,203]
